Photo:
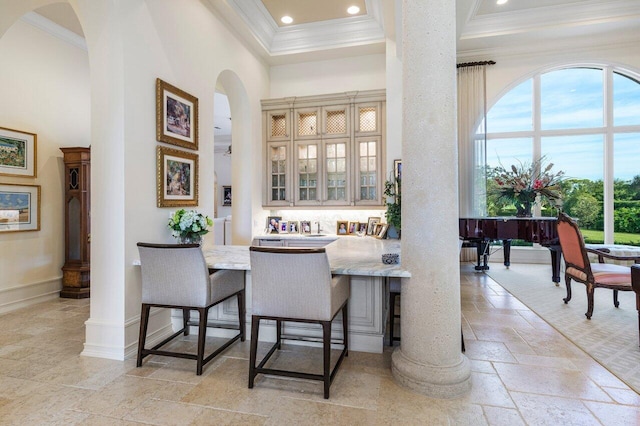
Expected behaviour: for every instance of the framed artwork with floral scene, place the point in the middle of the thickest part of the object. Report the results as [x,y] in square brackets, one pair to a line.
[177,178]
[176,116]
[18,156]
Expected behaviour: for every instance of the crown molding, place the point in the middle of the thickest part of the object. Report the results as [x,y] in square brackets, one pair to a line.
[588,13]
[337,33]
[50,27]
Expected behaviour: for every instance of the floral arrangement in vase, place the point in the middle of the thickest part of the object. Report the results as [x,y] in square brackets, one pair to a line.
[189,226]
[524,182]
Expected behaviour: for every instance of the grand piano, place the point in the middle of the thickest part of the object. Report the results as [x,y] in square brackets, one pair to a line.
[481,231]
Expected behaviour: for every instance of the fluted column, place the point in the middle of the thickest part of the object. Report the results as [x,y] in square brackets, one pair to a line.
[429,359]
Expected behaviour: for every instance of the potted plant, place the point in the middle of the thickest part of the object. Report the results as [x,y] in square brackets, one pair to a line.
[392,190]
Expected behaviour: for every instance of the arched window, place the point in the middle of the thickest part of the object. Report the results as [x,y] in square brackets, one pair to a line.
[585,120]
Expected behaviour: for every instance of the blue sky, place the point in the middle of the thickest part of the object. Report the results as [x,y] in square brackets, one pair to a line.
[570,99]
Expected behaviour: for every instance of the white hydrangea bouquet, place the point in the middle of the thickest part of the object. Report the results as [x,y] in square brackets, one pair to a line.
[189,226]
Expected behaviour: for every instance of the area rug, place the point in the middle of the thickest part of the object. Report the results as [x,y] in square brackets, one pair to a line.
[610,337]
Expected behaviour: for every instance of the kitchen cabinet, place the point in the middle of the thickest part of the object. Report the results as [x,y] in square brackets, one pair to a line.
[324,150]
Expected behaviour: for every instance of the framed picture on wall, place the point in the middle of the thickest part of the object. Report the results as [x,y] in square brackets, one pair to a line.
[226,196]
[177,178]
[19,208]
[397,169]
[18,155]
[176,116]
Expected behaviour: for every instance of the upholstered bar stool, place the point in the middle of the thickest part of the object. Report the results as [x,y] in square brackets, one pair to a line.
[295,284]
[176,276]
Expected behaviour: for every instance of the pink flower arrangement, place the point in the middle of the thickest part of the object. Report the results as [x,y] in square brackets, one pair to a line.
[522,183]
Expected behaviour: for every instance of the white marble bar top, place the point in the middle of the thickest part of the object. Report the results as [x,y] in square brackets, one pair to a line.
[347,256]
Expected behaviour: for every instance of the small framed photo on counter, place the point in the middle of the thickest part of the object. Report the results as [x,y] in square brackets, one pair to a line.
[305,226]
[371,225]
[284,227]
[342,227]
[353,228]
[294,227]
[273,224]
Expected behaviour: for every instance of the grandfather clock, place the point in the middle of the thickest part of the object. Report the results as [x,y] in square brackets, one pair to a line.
[77,234]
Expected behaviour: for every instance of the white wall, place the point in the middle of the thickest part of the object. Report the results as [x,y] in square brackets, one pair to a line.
[44,83]
[330,76]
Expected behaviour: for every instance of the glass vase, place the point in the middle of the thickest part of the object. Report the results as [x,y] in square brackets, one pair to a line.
[523,209]
[191,239]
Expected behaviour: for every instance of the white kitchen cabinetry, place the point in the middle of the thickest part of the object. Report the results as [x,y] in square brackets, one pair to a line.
[324,150]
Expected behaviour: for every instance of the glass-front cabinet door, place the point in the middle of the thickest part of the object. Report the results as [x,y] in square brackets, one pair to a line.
[306,124]
[278,173]
[335,121]
[337,171]
[368,170]
[307,172]
[368,118]
[278,125]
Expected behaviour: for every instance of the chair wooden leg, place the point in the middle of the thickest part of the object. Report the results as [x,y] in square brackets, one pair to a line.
[242,315]
[185,320]
[326,346]
[615,298]
[568,283]
[589,312]
[144,322]
[202,336]
[255,328]
[462,340]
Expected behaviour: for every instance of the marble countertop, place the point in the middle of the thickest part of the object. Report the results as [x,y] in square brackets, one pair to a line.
[347,256]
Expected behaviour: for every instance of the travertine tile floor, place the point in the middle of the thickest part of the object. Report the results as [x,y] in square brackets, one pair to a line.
[524,372]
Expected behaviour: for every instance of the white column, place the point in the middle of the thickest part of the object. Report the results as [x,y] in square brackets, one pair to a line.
[429,359]
[105,327]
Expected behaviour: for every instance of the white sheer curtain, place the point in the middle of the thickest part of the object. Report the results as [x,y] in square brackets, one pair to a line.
[472,109]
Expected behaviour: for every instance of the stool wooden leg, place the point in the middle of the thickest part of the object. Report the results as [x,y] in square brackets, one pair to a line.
[326,345]
[392,316]
[144,322]
[255,326]
[185,320]
[202,335]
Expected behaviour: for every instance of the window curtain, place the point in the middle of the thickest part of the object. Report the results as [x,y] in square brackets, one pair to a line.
[472,136]
[472,111]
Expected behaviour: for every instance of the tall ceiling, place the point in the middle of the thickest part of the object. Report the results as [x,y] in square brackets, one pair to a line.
[322,29]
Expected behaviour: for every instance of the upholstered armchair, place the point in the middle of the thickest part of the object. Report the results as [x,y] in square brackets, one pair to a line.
[592,275]
[176,276]
[635,284]
[295,284]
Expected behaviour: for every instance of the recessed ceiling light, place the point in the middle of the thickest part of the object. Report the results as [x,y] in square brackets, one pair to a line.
[353,10]
[501,1]
[286,19]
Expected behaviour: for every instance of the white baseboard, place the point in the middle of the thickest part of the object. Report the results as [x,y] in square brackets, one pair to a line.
[22,296]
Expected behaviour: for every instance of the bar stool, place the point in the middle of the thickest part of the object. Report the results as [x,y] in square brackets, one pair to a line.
[295,284]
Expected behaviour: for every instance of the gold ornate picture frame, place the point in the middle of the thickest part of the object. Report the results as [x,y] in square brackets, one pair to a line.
[19,207]
[177,178]
[18,153]
[176,116]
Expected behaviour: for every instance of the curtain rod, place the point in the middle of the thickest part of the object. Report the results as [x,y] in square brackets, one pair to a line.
[473,64]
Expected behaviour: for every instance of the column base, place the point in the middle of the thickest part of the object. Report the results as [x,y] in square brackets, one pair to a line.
[444,382]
